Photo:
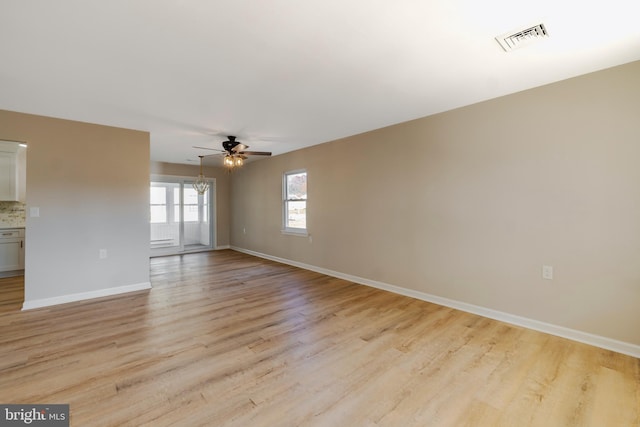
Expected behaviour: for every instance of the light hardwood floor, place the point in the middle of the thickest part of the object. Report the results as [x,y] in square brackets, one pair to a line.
[11,293]
[226,339]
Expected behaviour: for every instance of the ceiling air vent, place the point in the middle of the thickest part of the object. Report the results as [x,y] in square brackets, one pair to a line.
[516,39]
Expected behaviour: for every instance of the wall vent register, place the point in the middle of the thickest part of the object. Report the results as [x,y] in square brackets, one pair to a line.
[519,38]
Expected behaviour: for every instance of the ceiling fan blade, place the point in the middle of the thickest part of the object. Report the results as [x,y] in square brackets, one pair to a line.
[239,147]
[205,148]
[257,153]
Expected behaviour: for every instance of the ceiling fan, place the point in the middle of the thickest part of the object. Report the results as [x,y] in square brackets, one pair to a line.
[235,152]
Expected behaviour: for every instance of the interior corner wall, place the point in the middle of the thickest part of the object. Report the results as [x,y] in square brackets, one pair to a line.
[221,192]
[91,185]
[469,204]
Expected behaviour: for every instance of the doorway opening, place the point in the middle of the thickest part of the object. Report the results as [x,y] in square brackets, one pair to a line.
[181,220]
[13,173]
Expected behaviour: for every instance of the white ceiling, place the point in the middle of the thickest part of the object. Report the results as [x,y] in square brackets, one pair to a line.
[285,74]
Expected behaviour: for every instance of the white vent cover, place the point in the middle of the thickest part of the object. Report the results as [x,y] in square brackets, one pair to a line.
[519,38]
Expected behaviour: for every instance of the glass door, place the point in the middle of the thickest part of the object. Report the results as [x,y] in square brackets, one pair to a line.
[180,218]
[195,219]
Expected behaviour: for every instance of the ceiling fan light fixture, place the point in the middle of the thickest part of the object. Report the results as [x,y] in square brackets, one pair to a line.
[234,153]
[201,185]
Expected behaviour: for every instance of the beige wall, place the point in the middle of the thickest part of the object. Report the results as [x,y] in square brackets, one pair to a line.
[91,184]
[221,177]
[469,204]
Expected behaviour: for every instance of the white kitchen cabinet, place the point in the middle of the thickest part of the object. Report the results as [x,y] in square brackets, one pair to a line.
[11,249]
[12,171]
[8,178]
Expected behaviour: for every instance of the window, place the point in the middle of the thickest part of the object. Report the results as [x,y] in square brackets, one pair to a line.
[295,201]
[158,205]
[192,204]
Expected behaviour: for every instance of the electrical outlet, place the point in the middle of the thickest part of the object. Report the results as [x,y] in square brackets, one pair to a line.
[547,272]
[103,253]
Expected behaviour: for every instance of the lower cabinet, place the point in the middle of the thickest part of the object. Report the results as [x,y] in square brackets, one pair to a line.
[11,249]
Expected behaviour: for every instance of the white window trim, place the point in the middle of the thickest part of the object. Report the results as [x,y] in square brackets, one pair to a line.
[301,232]
[295,232]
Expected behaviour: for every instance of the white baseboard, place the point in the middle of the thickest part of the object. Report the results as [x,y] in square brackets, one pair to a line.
[218,248]
[63,299]
[560,331]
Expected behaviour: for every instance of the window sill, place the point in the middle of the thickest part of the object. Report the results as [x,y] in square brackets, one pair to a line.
[295,232]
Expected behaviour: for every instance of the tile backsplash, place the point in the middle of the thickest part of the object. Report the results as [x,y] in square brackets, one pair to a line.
[12,214]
